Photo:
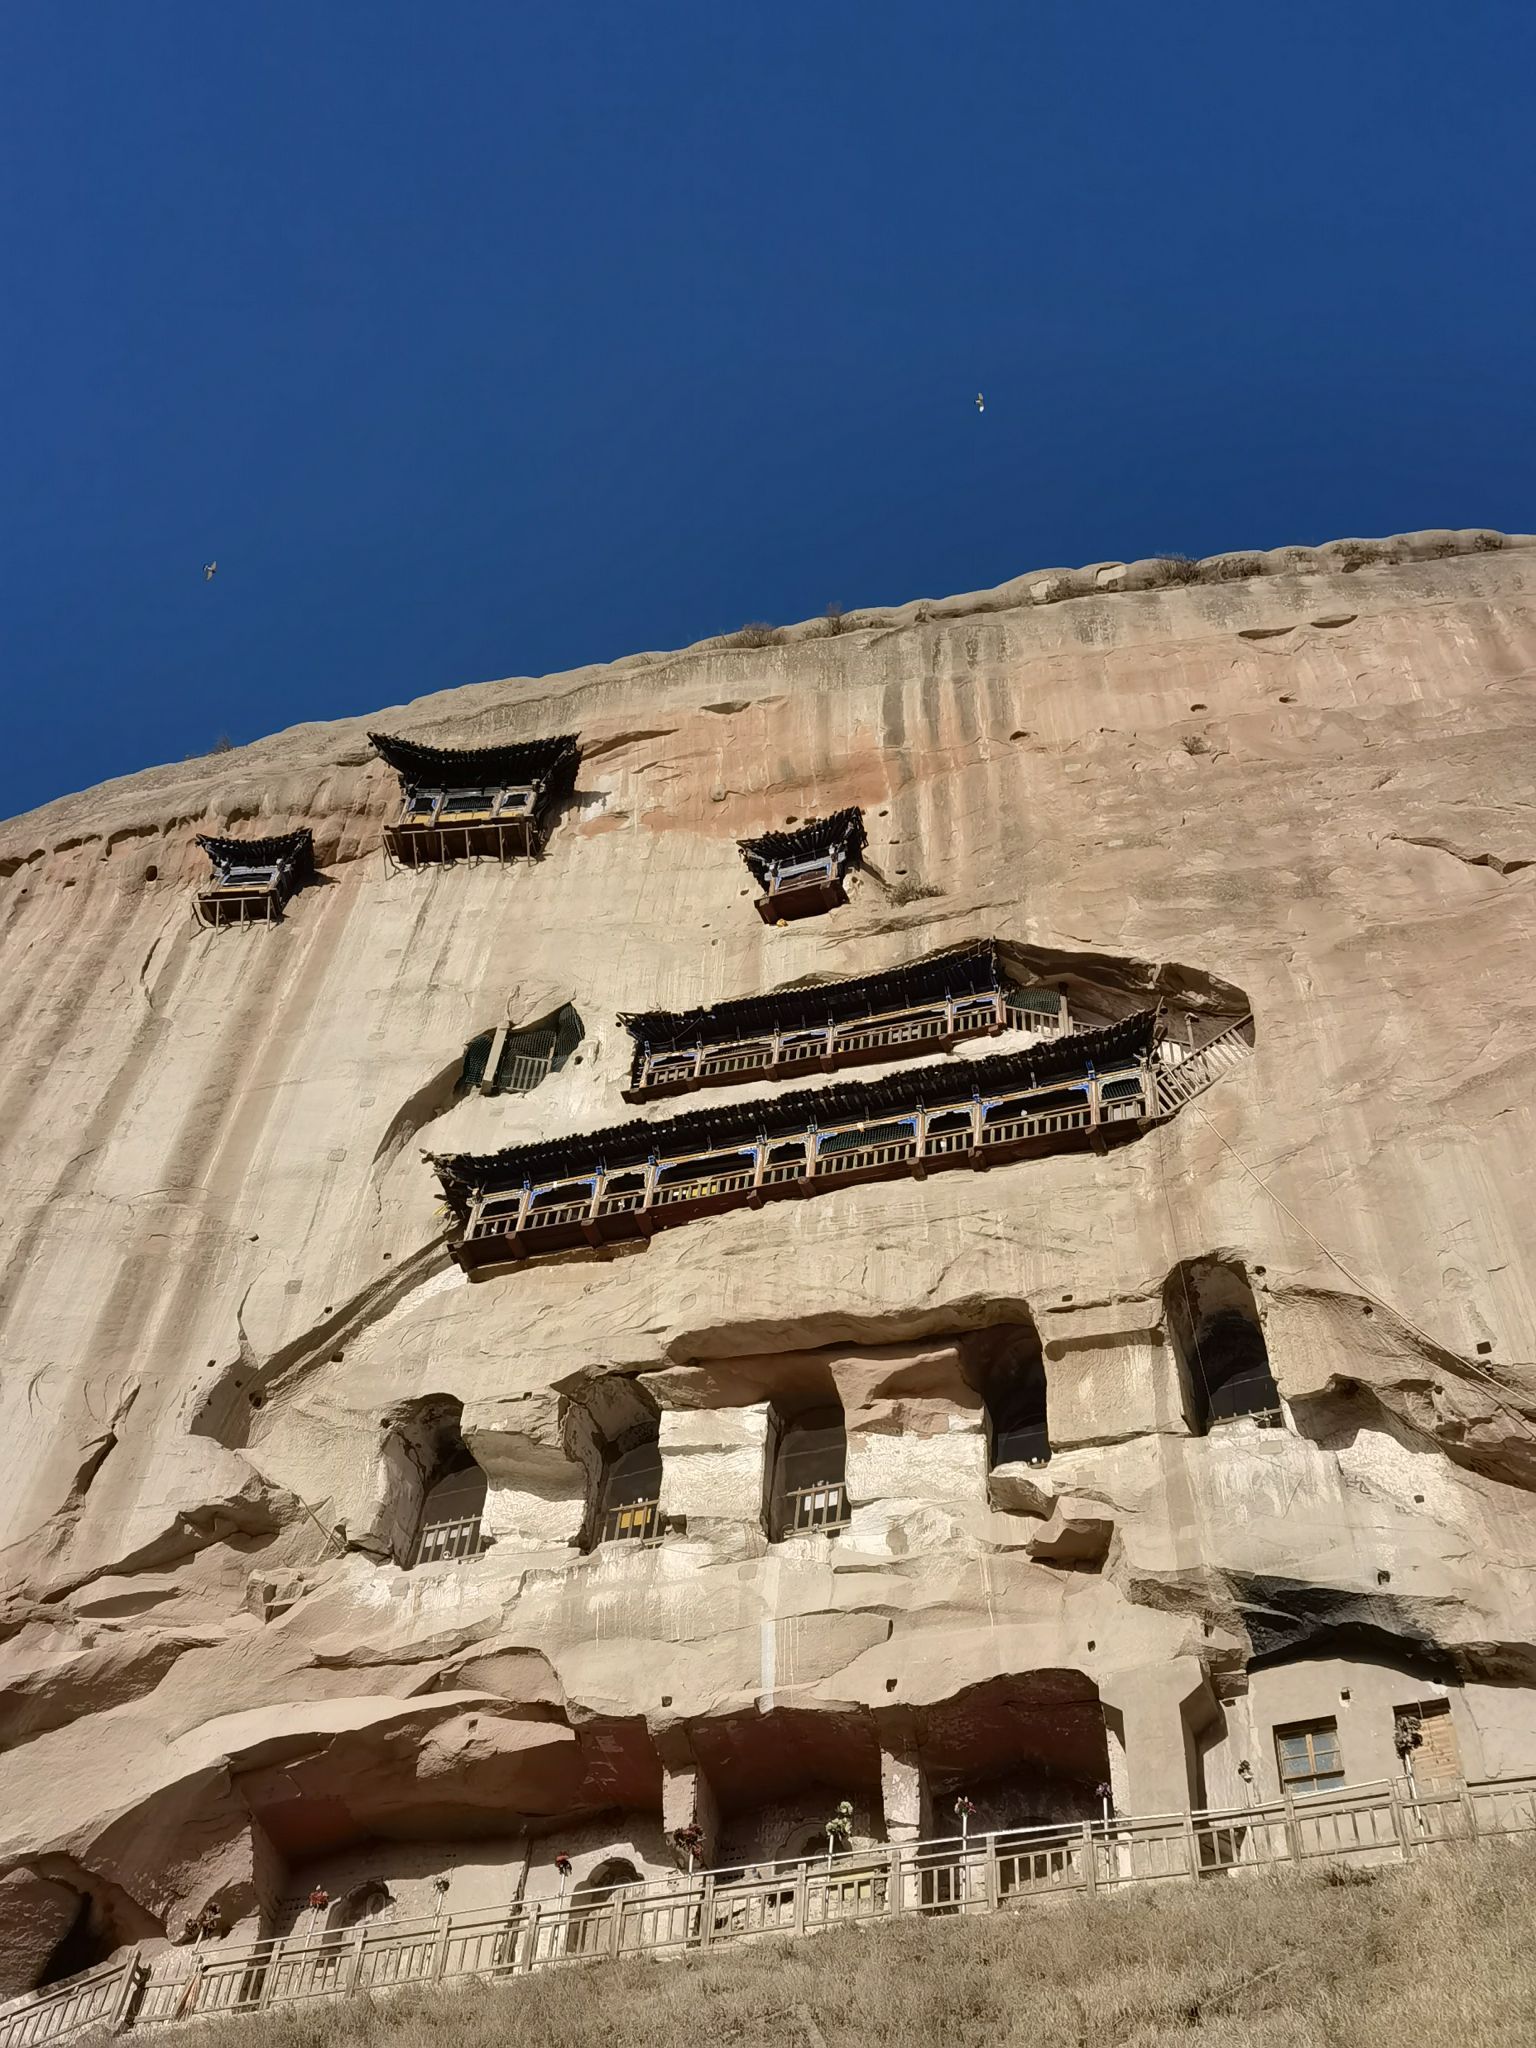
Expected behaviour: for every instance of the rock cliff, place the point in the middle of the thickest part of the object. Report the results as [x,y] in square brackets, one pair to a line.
[237,1358]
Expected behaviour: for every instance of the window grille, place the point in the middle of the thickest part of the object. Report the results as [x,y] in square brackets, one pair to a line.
[630,1507]
[528,1057]
[1037,1002]
[867,1134]
[476,1055]
[812,1465]
[1310,1758]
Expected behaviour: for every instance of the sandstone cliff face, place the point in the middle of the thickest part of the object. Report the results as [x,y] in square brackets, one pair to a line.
[232,1339]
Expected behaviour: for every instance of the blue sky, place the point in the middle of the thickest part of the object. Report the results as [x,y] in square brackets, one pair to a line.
[487,338]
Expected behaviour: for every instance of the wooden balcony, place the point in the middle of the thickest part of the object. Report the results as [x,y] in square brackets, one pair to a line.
[437,825]
[969,1129]
[820,1048]
[236,902]
[802,889]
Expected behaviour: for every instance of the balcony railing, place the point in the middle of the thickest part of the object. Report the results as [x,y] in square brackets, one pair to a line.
[976,1130]
[464,824]
[637,1521]
[1387,1822]
[440,1541]
[809,1508]
[928,1026]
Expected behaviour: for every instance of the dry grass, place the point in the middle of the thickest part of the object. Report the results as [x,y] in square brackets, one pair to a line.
[1175,569]
[755,633]
[1443,1952]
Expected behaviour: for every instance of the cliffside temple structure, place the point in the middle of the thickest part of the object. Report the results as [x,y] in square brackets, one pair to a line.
[1085,1437]
[1090,1087]
[927,1005]
[476,802]
[802,871]
[253,878]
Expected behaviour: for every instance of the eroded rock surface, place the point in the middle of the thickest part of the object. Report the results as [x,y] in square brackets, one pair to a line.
[236,1359]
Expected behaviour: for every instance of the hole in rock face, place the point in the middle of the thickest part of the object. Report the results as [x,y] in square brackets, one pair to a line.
[1287,700]
[1383,1578]
[1198,707]
[1006,1366]
[1219,1341]
[1484,1348]
[151,873]
[891,1684]
[1367,1310]
[809,1467]
[524,1057]
[433,1491]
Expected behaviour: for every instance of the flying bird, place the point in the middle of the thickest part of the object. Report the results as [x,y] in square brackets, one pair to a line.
[210,570]
[981,403]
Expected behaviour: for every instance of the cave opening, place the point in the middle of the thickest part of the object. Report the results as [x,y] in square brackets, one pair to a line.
[1218,1338]
[810,1469]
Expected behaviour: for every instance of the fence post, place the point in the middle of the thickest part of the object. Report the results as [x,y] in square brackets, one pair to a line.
[1395,1812]
[1470,1808]
[1090,1859]
[1292,1828]
[355,1974]
[127,1996]
[707,1911]
[531,1953]
[1191,1845]
[802,1886]
[440,1958]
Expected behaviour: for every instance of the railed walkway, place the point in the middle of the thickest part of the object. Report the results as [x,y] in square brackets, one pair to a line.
[1385,1822]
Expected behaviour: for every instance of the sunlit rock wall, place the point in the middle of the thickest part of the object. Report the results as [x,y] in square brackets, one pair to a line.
[225,1290]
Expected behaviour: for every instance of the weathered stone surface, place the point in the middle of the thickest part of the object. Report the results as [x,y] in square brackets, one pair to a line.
[231,1335]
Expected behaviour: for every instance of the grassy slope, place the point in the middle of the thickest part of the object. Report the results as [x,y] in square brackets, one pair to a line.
[1443,1953]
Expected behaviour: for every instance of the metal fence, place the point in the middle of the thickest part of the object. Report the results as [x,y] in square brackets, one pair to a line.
[981,1873]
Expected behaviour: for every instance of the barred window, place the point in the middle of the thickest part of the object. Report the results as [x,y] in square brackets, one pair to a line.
[525,1057]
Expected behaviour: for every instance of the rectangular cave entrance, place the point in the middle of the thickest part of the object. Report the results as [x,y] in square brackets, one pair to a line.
[1023,1761]
[799,1798]
[809,1494]
[1218,1337]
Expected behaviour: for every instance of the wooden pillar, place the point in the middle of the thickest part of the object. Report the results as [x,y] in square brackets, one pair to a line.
[127,1992]
[493,1060]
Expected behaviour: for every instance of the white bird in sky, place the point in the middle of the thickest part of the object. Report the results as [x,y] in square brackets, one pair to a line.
[210,570]
[981,403]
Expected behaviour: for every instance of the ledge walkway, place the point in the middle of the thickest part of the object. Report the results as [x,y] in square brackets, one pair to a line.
[1388,1822]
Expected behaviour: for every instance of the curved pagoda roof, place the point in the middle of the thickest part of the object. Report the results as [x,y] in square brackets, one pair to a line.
[546,765]
[297,847]
[843,829]
[936,1085]
[963,971]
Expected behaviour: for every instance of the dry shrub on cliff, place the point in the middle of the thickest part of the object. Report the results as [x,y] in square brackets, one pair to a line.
[756,633]
[1441,1952]
[1175,569]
